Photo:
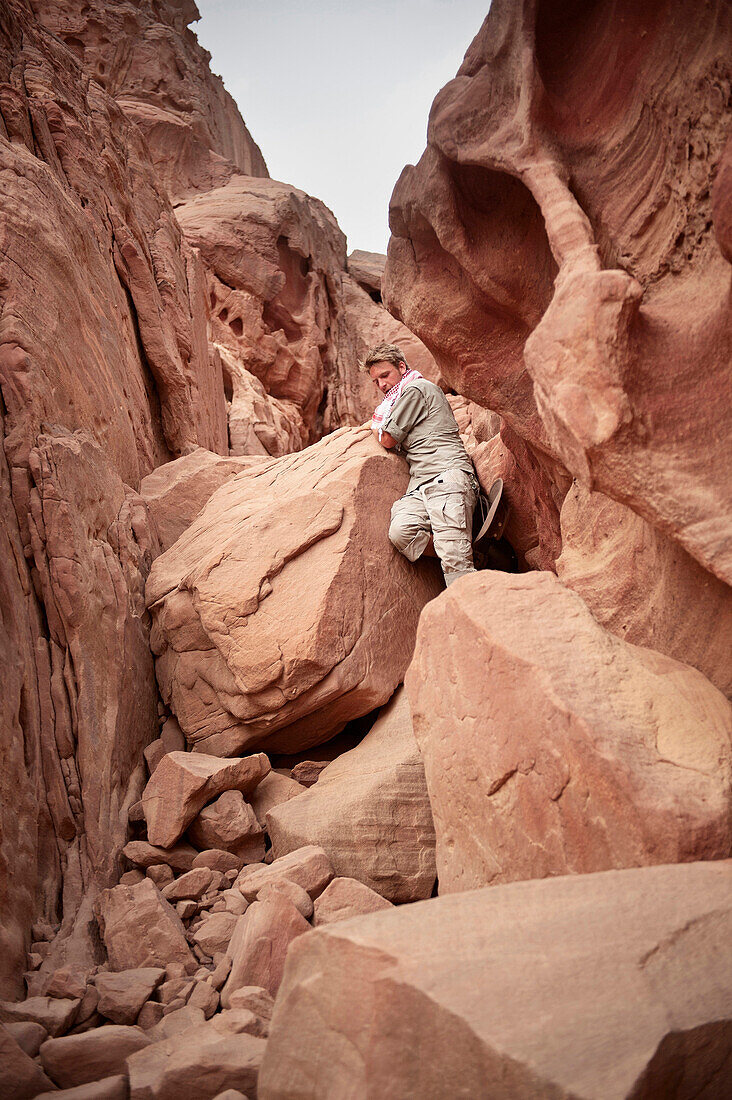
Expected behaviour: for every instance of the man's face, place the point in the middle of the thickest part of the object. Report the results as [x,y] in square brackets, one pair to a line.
[386,375]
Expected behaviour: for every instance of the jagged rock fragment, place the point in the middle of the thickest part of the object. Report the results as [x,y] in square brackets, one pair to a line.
[55,1014]
[141,929]
[302,541]
[102,1052]
[273,791]
[259,945]
[193,884]
[22,1078]
[344,898]
[179,857]
[184,782]
[122,994]
[196,1064]
[229,823]
[309,867]
[215,932]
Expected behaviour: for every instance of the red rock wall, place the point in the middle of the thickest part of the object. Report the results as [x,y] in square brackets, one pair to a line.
[145,56]
[104,374]
[562,248]
[121,340]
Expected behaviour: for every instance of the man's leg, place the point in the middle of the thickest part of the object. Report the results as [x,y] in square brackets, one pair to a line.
[409,529]
[450,500]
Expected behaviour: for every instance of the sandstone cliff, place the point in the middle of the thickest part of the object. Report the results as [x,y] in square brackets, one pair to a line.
[562,248]
[218,802]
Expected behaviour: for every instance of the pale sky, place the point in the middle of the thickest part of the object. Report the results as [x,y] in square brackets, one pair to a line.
[337,95]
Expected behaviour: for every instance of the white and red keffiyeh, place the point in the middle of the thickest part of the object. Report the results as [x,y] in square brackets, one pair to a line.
[392,396]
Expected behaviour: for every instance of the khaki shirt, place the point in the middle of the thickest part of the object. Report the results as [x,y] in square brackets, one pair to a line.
[423,423]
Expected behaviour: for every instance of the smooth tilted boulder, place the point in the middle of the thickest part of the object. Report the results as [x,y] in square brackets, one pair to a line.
[552,747]
[283,611]
[586,987]
[101,1052]
[369,811]
[183,783]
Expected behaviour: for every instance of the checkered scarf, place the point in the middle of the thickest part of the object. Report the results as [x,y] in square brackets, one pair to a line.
[392,396]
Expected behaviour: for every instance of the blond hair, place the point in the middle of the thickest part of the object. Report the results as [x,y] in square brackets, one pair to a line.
[383,353]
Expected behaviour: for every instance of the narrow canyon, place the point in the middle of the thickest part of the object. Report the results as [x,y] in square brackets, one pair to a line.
[280,815]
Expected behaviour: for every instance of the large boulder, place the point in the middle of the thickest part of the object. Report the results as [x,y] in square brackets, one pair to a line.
[555,248]
[552,747]
[369,811]
[614,985]
[283,611]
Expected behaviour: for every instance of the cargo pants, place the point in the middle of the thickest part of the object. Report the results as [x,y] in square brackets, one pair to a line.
[442,507]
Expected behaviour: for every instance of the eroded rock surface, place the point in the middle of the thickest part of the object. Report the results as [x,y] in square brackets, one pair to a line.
[176,491]
[643,988]
[572,750]
[320,562]
[643,586]
[104,374]
[555,248]
[147,58]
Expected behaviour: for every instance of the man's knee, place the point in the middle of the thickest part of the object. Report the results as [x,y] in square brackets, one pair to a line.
[408,532]
[402,530]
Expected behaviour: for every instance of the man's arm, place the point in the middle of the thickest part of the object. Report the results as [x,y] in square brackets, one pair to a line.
[388,441]
[409,410]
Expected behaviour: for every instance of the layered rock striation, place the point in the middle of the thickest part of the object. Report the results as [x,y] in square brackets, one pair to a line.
[105,373]
[555,248]
[149,60]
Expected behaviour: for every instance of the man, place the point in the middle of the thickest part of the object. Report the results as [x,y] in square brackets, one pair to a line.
[437,510]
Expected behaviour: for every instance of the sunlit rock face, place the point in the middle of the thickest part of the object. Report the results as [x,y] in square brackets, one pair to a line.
[146,56]
[615,979]
[561,249]
[552,747]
